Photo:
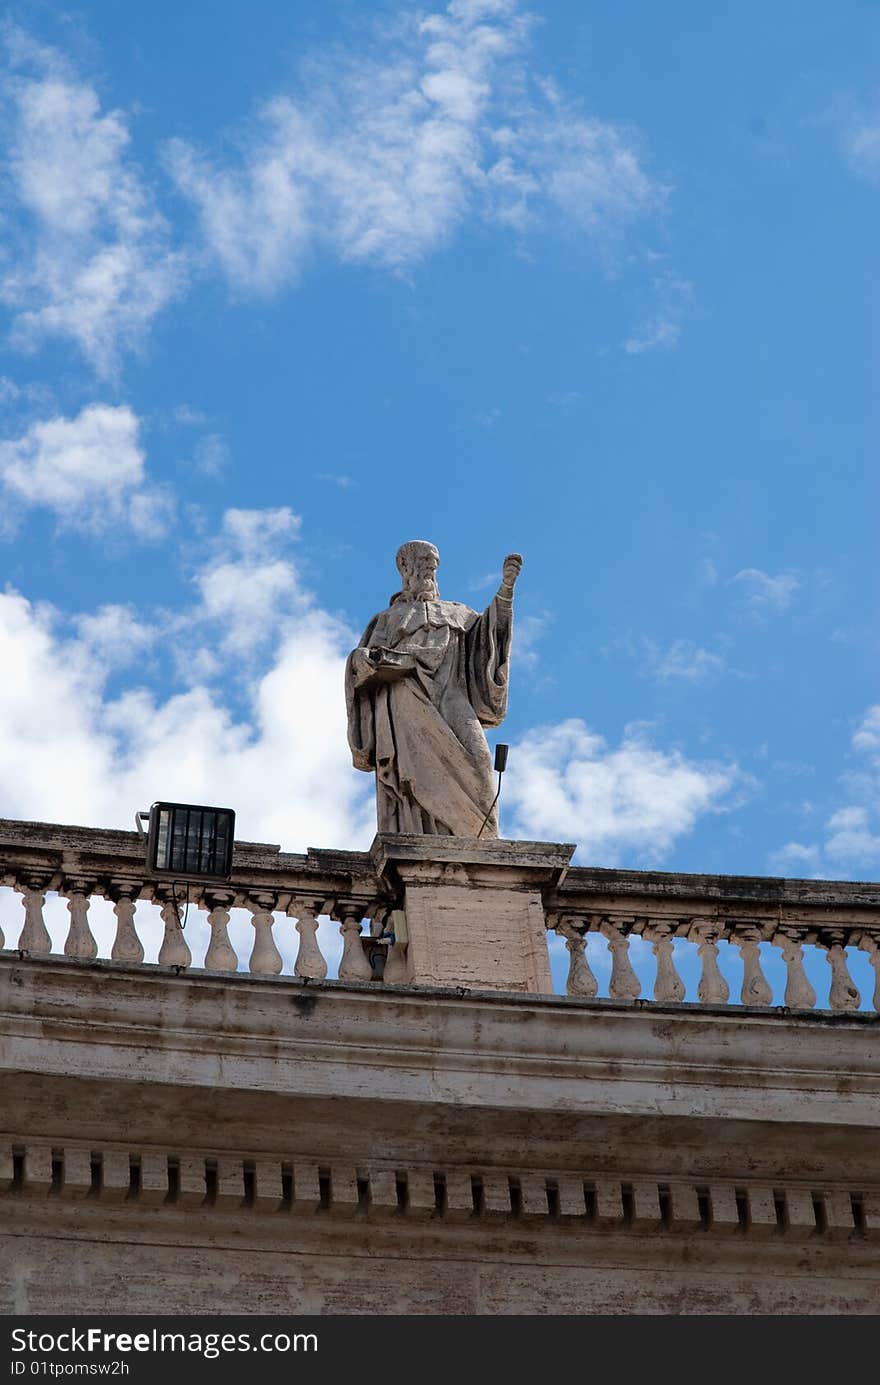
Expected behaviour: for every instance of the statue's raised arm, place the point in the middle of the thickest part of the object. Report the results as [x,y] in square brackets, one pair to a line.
[425,679]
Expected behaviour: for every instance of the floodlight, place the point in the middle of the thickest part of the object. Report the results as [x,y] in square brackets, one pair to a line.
[188,841]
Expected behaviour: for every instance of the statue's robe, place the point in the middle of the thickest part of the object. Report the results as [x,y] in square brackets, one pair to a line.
[422,733]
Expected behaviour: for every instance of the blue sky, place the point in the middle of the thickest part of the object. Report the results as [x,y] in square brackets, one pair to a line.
[284,286]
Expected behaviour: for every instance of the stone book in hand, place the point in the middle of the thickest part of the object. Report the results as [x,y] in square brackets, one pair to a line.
[389,664]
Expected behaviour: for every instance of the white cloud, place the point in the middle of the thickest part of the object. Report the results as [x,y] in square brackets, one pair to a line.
[797,860]
[662,328]
[88,470]
[249,531]
[862,145]
[527,631]
[850,837]
[71,753]
[237,596]
[380,159]
[247,589]
[211,454]
[91,260]
[683,659]
[866,737]
[766,593]
[565,784]
[273,745]
[115,635]
[662,331]
[343,482]
[708,572]
[552,156]
[851,845]
[488,579]
[566,400]
[187,417]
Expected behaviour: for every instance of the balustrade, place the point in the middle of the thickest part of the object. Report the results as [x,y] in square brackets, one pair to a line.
[701,941]
[688,944]
[265,959]
[175,922]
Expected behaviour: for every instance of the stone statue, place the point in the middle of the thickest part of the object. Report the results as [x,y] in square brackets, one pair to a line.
[425,679]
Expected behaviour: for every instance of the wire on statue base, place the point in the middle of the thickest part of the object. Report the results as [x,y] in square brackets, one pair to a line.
[500,765]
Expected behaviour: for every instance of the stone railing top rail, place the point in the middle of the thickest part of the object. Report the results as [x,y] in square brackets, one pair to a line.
[50,851]
[594,888]
[55,848]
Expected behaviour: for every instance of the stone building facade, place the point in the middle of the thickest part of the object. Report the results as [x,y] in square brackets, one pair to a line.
[434,1132]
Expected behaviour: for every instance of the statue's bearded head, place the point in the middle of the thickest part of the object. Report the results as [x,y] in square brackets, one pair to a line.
[417,563]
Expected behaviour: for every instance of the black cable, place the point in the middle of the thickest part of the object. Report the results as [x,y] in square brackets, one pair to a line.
[491,806]
[182,921]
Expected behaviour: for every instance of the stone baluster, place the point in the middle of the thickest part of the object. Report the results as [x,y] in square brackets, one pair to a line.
[844,993]
[174,951]
[79,941]
[355,965]
[867,942]
[755,987]
[713,989]
[799,994]
[581,980]
[221,955]
[265,958]
[668,985]
[127,946]
[396,971]
[34,935]
[310,961]
[624,984]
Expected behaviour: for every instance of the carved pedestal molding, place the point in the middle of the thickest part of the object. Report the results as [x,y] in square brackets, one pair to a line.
[221,955]
[396,972]
[355,965]
[755,987]
[127,946]
[265,959]
[34,937]
[475,914]
[799,994]
[624,984]
[309,960]
[668,984]
[174,951]
[712,989]
[581,980]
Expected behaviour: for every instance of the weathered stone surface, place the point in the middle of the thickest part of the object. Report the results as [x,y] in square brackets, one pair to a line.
[474,911]
[425,679]
[218,1142]
[518,1153]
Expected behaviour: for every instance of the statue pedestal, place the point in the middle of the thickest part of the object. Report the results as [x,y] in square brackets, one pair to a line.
[474,910]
